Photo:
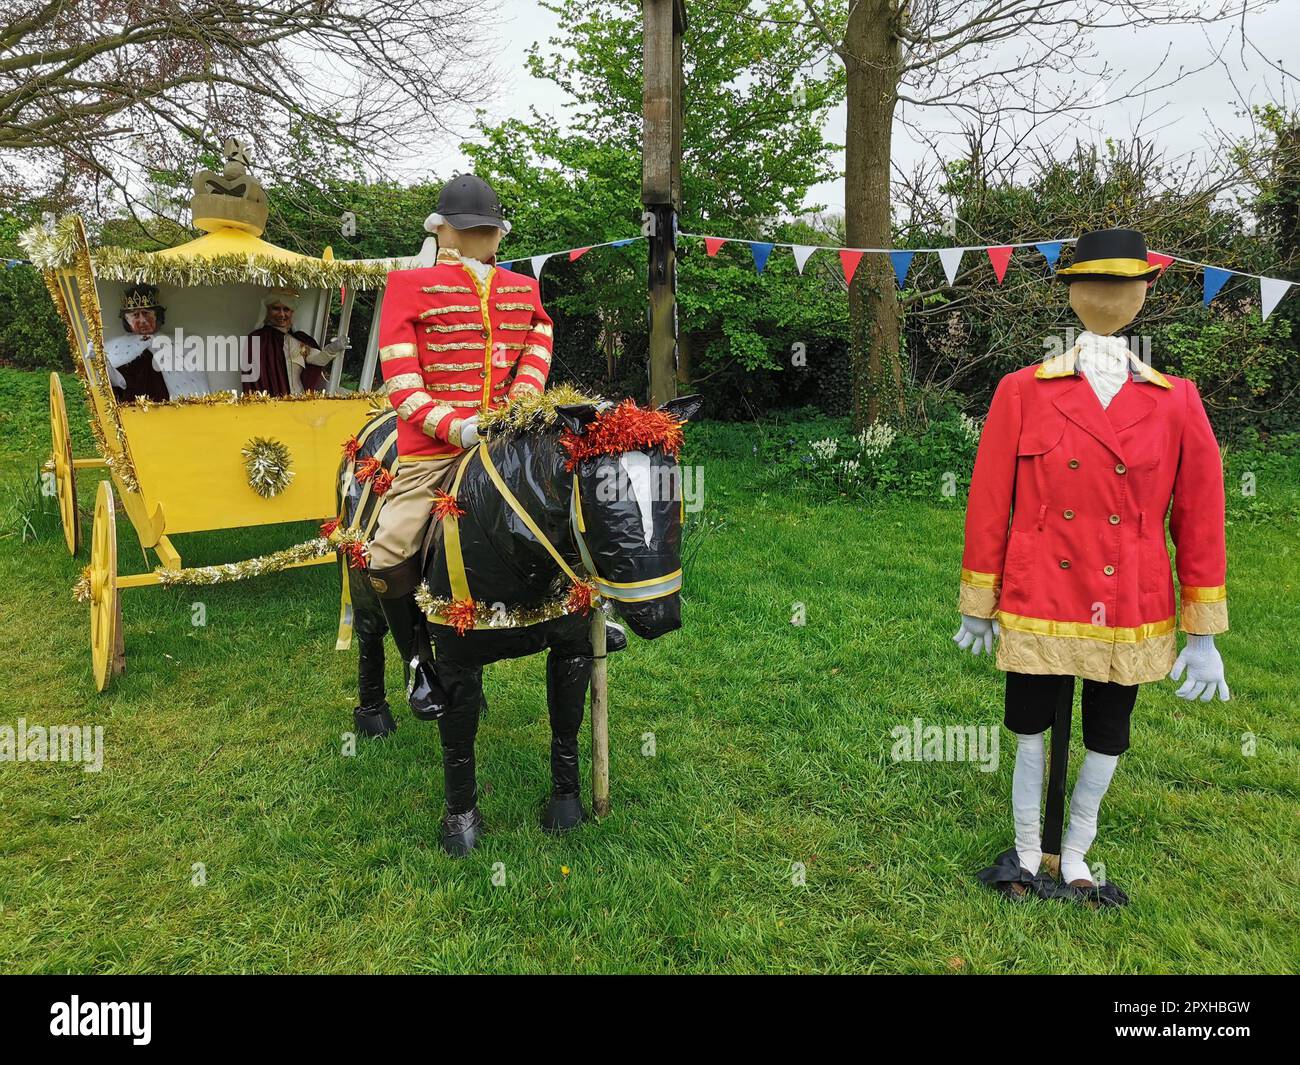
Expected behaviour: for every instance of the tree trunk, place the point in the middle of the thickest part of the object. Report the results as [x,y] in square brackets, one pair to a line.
[872,60]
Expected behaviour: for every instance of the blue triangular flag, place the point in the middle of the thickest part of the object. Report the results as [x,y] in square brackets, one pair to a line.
[621,243]
[902,261]
[1051,252]
[506,266]
[1214,280]
[760,252]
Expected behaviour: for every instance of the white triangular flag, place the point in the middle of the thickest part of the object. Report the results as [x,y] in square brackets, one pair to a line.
[951,259]
[801,254]
[538,262]
[1271,291]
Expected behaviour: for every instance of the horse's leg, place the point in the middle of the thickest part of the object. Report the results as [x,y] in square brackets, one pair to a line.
[372,716]
[568,676]
[395,587]
[462,824]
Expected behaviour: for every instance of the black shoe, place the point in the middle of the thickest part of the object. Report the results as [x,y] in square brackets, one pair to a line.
[615,637]
[374,721]
[461,832]
[424,692]
[563,814]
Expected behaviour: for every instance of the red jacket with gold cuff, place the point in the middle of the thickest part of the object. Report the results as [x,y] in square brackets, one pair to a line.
[451,346]
[1065,527]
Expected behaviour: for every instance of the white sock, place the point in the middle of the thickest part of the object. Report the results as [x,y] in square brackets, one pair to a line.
[1085,804]
[1026,796]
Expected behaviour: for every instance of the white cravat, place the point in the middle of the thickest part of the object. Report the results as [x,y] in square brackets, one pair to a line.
[1104,361]
[482,269]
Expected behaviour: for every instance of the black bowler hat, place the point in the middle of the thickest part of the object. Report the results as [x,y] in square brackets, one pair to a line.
[1110,255]
[467,201]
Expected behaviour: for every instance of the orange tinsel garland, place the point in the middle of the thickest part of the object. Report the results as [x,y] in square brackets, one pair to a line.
[444,503]
[382,483]
[460,615]
[350,447]
[625,428]
[367,468]
[329,527]
[579,600]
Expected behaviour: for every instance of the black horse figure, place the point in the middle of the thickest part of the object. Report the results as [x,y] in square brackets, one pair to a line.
[578,501]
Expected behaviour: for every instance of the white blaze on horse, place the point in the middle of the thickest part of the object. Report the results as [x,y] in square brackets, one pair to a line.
[560,508]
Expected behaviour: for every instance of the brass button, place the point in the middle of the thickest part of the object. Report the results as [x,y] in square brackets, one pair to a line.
[1114,519]
[1121,468]
[1074,464]
[1069,514]
[1109,571]
[482,373]
[1065,563]
[485,333]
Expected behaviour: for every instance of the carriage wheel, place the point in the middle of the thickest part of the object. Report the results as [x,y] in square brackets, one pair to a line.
[65,471]
[106,650]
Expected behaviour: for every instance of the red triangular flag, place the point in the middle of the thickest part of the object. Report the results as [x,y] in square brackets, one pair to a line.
[849,260]
[578,252]
[999,257]
[1154,258]
[712,244]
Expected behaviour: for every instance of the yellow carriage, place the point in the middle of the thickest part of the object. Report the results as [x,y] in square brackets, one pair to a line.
[183,465]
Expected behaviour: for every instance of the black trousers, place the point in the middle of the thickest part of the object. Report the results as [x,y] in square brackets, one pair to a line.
[1107,708]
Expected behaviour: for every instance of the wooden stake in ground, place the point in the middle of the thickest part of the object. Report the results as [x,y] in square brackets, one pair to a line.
[599,716]
[1054,816]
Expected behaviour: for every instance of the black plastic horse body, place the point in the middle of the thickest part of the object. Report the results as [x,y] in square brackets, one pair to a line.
[620,534]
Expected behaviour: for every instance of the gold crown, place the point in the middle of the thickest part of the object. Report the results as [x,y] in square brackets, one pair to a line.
[140,300]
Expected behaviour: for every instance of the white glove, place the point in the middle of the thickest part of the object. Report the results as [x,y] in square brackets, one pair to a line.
[1204,667]
[336,347]
[976,634]
[469,432]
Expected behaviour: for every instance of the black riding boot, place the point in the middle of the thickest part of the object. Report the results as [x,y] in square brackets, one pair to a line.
[462,824]
[567,680]
[372,716]
[395,587]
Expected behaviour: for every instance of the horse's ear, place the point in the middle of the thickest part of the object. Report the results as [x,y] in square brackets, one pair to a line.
[576,416]
[684,408]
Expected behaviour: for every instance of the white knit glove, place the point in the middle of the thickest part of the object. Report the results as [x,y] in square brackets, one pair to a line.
[469,432]
[336,347]
[1204,667]
[976,635]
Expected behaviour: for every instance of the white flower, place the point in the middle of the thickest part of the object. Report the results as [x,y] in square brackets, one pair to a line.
[851,469]
[971,427]
[876,439]
[826,449]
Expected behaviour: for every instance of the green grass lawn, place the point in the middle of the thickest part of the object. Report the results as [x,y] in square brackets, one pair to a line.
[224,746]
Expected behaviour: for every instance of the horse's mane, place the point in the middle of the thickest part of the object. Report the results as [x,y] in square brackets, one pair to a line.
[533,412]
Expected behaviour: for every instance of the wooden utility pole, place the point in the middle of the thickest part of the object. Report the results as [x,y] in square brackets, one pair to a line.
[661,182]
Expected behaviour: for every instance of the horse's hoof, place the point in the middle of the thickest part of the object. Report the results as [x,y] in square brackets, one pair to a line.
[374,721]
[615,637]
[461,832]
[563,814]
[426,695]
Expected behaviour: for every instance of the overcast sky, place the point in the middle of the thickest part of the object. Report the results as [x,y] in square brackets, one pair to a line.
[1180,118]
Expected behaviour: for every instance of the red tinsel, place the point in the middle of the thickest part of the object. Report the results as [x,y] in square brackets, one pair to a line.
[444,503]
[367,468]
[355,552]
[329,528]
[382,483]
[460,615]
[579,601]
[626,427]
[350,446]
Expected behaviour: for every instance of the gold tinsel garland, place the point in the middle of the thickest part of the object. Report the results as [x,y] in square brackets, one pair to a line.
[486,616]
[533,410]
[55,249]
[269,466]
[252,567]
[81,588]
[231,398]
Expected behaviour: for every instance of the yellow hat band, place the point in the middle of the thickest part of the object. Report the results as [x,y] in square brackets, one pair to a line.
[1132,268]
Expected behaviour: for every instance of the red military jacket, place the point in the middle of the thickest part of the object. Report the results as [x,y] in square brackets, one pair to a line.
[451,347]
[1065,527]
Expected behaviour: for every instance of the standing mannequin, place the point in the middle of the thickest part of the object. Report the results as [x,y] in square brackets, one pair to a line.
[1065,559]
